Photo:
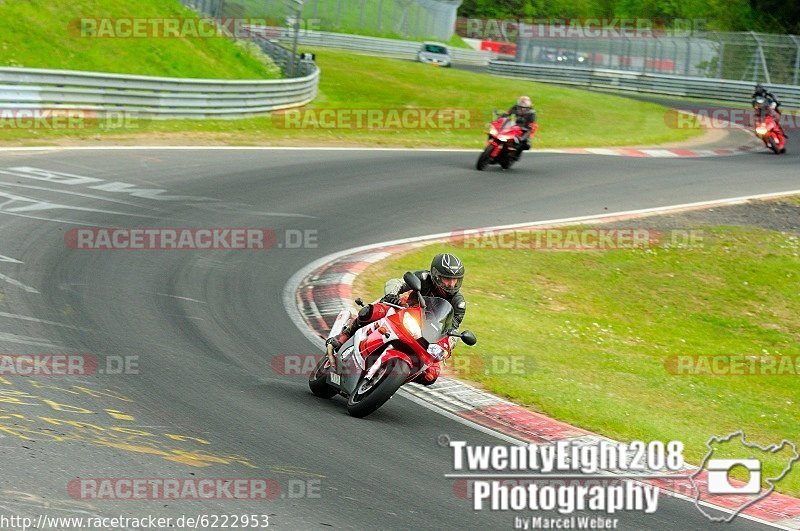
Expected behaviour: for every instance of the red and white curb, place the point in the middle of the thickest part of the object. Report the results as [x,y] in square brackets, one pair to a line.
[659,153]
[314,296]
[614,152]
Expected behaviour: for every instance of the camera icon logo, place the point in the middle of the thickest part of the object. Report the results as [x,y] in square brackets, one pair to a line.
[719,476]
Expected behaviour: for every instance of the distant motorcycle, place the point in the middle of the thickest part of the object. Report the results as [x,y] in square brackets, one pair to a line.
[383,356]
[503,145]
[772,135]
[767,129]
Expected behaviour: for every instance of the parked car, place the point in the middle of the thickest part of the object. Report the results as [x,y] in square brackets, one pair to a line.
[435,53]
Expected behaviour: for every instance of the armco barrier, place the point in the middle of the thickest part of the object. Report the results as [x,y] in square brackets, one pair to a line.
[692,87]
[155,97]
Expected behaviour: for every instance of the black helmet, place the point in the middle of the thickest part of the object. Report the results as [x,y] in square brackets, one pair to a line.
[760,89]
[446,266]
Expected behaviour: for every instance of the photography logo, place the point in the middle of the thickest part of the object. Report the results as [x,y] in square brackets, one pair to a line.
[739,454]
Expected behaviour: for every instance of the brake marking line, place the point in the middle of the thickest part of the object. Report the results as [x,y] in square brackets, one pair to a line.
[67,192]
[25,340]
[18,284]
[181,298]
[42,321]
[4,258]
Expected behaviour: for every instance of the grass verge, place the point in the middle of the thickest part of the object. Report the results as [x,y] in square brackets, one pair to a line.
[46,34]
[568,117]
[596,331]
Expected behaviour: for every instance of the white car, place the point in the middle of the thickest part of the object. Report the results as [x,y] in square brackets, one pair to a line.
[435,53]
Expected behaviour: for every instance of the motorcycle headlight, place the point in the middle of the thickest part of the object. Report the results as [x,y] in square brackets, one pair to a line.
[412,326]
[761,130]
[503,138]
[436,351]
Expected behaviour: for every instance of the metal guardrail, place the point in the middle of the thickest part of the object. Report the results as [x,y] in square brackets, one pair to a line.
[388,47]
[692,87]
[153,97]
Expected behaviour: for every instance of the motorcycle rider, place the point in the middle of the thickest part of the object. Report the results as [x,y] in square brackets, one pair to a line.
[526,119]
[443,280]
[771,104]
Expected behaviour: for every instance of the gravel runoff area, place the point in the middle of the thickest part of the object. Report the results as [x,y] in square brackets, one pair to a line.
[781,215]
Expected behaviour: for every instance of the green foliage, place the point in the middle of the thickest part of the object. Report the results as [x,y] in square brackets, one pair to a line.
[777,16]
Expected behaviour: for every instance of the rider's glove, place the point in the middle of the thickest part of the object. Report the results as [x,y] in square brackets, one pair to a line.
[392,298]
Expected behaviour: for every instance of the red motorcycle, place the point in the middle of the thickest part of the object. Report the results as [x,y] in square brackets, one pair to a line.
[504,144]
[768,130]
[387,353]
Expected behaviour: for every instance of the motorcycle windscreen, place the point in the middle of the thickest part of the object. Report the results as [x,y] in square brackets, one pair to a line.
[437,319]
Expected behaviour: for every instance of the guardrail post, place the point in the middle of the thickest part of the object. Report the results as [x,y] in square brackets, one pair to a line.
[760,58]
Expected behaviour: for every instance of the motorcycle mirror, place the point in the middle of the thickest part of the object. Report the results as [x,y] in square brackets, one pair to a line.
[412,281]
[468,338]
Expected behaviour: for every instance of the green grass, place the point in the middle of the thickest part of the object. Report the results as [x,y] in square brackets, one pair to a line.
[594,330]
[44,34]
[567,117]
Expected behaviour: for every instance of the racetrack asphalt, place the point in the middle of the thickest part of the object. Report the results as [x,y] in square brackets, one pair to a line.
[207,326]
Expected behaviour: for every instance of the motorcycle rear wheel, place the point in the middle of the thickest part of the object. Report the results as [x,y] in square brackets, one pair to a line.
[317,380]
[484,159]
[370,395]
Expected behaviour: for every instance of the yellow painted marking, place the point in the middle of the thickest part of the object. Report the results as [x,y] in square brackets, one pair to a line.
[74,423]
[39,385]
[138,448]
[13,432]
[130,431]
[67,407]
[4,381]
[17,431]
[119,414]
[106,392]
[15,400]
[182,438]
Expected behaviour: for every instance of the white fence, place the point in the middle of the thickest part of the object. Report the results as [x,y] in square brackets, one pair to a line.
[693,87]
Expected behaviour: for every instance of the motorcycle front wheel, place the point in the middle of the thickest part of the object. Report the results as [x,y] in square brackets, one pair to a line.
[317,380]
[372,393]
[484,159]
[772,145]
